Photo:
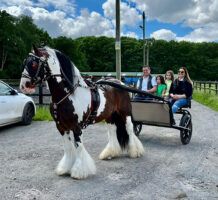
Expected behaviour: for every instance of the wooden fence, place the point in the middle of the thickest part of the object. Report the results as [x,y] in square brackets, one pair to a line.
[210,87]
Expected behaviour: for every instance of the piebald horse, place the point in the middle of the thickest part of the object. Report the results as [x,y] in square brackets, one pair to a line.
[73,107]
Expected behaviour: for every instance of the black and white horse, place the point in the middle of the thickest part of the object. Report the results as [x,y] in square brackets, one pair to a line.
[73,106]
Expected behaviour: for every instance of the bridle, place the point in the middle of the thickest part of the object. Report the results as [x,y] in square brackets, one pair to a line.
[42,68]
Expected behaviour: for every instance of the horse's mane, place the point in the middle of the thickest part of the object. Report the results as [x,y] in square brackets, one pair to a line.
[67,68]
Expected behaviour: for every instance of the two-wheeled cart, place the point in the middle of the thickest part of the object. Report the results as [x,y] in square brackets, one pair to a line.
[159,113]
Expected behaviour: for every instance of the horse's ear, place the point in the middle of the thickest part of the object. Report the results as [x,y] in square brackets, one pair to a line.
[36,51]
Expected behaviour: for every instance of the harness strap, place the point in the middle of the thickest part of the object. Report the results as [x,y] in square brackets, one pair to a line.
[95,102]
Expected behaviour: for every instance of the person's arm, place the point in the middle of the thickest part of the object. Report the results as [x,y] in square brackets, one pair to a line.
[188,89]
[177,96]
[137,85]
[152,90]
[164,91]
[154,84]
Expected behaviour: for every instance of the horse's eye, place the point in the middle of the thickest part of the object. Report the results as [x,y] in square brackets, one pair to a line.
[34,65]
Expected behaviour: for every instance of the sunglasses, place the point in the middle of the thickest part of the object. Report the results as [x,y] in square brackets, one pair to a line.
[181,72]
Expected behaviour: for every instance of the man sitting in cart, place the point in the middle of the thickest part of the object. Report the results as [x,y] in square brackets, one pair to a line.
[146,83]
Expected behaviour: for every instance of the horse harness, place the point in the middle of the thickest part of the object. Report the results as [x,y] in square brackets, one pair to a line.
[95,97]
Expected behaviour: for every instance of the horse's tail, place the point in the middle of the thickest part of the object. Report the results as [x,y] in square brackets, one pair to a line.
[122,135]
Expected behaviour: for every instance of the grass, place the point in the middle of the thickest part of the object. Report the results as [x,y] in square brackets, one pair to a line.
[43,114]
[210,100]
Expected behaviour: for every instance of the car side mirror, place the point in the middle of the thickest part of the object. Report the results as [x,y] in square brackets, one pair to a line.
[13,92]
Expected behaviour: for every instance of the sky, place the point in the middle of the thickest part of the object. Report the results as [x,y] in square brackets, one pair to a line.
[189,20]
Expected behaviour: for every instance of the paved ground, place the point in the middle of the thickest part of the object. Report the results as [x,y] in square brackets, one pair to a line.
[168,170]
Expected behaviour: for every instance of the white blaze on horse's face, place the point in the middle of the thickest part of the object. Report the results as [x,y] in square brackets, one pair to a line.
[25,84]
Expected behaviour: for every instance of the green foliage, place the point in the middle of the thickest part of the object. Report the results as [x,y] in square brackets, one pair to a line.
[16,38]
[42,114]
[210,100]
[97,54]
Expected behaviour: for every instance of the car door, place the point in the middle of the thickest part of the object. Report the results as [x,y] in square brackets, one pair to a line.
[8,105]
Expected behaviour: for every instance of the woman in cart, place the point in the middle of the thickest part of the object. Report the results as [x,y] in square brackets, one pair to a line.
[181,90]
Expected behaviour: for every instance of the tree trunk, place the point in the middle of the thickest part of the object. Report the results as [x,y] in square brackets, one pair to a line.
[4,57]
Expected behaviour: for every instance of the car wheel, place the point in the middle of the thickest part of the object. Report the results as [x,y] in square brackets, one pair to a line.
[28,113]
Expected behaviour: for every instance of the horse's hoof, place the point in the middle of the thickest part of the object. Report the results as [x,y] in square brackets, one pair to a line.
[109,153]
[136,152]
[60,171]
[76,174]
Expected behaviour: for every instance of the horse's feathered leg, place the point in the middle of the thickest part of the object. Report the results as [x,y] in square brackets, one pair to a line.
[84,164]
[113,148]
[135,147]
[68,159]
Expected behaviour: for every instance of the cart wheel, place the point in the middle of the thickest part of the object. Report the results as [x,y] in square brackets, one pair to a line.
[137,127]
[185,135]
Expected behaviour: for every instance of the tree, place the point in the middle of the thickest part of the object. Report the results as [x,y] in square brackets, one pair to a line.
[7,34]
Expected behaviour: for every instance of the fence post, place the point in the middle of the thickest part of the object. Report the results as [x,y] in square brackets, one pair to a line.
[209,87]
[40,94]
[216,83]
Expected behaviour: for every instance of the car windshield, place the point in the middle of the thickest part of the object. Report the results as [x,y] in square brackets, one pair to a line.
[4,89]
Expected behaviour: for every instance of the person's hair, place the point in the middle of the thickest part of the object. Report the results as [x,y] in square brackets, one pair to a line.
[187,77]
[161,79]
[146,66]
[171,74]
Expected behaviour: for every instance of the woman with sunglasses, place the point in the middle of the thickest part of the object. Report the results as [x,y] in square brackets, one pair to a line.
[181,90]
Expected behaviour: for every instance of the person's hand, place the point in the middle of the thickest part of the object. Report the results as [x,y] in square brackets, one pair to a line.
[174,96]
[171,95]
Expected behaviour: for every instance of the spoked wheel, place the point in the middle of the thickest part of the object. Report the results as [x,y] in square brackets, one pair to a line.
[185,135]
[28,114]
[137,127]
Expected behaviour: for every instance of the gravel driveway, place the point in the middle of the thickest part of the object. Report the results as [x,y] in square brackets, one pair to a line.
[168,170]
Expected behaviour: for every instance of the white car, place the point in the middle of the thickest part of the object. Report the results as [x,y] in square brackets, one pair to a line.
[15,107]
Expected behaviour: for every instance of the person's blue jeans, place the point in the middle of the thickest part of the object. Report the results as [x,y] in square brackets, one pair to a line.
[178,104]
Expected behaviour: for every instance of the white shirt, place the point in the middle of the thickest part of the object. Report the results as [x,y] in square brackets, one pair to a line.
[145,82]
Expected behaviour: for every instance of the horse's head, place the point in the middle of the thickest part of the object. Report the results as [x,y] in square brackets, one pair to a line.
[34,68]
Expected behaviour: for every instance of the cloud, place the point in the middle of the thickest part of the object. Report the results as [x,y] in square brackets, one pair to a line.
[67,6]
[88,24]
[164,34]
[207,33]
[129,15]
[204,34]
[200,15]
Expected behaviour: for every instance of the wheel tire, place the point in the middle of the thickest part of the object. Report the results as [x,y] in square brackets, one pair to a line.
[185,135]
[28,113]
[137,127]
